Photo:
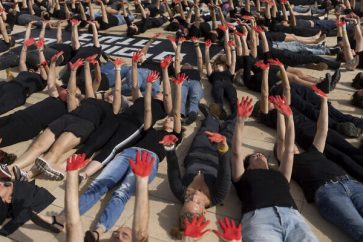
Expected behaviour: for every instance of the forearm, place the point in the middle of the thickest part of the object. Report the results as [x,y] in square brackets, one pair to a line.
[117,92]
[73,219]
[75,39]
[239,50]
[141,210]
[177,108]
[22,59]
[51,81]
[98,78]
[135,91]
[178,59]
[237,152]
[285,85]
[96,42]
[358,38]
[91,10]
[168,103]
[198,52]
[88,81]
[72,88]
[147,107]
[208,65]
[104,13]
[264,92]
[265,47]
[288,155]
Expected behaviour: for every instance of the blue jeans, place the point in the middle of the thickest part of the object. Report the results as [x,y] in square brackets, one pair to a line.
[296,46]
[116,174]
[276,224]
[191,90]
[341,203]
[108,69]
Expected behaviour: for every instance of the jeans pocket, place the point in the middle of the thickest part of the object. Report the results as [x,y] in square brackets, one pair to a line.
[247,217]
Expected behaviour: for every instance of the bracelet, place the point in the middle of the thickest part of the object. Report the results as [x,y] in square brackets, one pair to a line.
[223,149]
[169,148]
[233,50]
[196,44]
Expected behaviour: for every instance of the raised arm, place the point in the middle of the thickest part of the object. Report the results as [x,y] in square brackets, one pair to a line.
[118,85]
[72,86]
[74,231]
[323,121]
[23,54]
[52,76]
[287,157]
[168,102]
[180,78]
[208,65]
[199,55]
[135,91]
[152,77]
[244,110]
[75,39]
[264,87]
[142,169]
[88,79]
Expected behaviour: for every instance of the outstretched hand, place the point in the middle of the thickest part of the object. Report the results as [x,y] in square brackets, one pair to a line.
[74,66]
[169,140]
[275,61]
[258,29]
[164,64]
[260,64]
[137,56]
[180,78]
[29,42]
[153,76]
[143,165]
[74,22]
[281,105]
[208,43]
[319,92]
[230,231]
[215,137]
[40,43]
[118,62]
[76,162]
[245,107]
[195,228]
[56,56]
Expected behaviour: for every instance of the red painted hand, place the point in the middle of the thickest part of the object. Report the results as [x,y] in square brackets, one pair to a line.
[340,23]
[262,65]
[92,58]
[143,165]
[75,65]
[166,62]
[56,56]
[171,38]
[258,29]
[245,107]
[76,162]
[29,42]
[231,43]
[43,63]
[276,62]
[118,62]
[74,22]
[40,43]
[281,105]
[223,27]
[247,17]
[230,231]
[153,76]
[319,92]
[208,43]
[137,55]
[180,78]
[168,140]
[215,137]
[195,228]
[194,39]
[181,40]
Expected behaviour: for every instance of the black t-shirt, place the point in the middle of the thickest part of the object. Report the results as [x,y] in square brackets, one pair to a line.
[312,169]
[93,110]
[43,112]
[148,23]
[112,21]
[221,76]
[192,74]
[151,139]
[136,111]
[31,81]
[86,51]
[67,49]
[263,188]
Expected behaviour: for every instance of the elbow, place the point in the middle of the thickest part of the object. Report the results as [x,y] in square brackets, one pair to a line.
[140,235]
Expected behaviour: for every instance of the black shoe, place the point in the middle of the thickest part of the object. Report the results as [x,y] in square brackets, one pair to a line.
[349,130]
[5,174]
[335,79]
[204,109]
[192,116]
[325,84]
[334,51]
[19,174]
[89,237]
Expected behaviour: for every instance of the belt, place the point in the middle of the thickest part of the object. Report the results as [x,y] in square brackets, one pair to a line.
[339,178]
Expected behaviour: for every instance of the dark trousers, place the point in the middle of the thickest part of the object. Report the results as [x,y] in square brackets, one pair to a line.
[12,95]
[202,146]
[221,89]
[301,58]
[307,102]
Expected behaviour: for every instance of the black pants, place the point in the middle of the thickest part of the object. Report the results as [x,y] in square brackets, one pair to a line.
[221,89]
[337,149]
[10,59]
[202,147]
[307,102]
[301,58]
[12,95]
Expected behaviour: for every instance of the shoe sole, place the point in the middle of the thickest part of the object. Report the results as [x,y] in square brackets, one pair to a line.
[5,172]
[49,172]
